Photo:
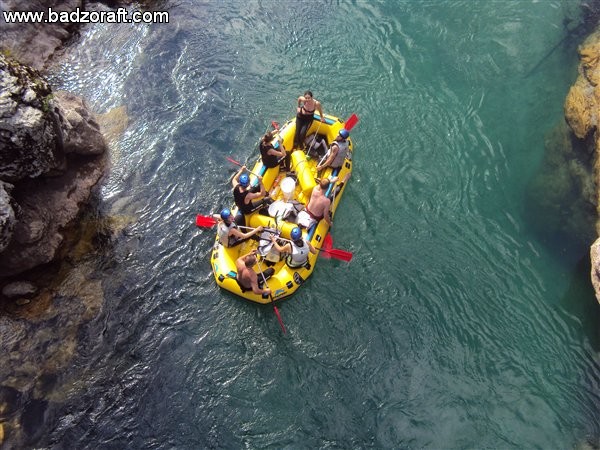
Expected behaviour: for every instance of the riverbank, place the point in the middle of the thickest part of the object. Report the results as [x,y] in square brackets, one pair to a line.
[581,113]
[53,158]
[52,153]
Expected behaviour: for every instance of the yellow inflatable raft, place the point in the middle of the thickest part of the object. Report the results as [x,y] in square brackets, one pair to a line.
[285,189]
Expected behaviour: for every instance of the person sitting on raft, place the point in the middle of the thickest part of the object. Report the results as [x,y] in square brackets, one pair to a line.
[337,152]
[297,249]
[248,199]
[318,206]
[315,144]
[228,231]
[247,277]
[271,156]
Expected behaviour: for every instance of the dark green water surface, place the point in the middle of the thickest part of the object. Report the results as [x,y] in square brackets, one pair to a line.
[456,325]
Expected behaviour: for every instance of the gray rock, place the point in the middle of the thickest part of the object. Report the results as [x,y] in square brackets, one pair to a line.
[7,216]
[35,43]
[28,135]
[19,289]
[595,271]
[45,210]
[81,132]
[39,131]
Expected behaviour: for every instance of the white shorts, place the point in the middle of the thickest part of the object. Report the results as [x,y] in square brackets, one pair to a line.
[305,220]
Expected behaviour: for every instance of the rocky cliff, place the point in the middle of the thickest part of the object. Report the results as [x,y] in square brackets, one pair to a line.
[52,153]
[582,111]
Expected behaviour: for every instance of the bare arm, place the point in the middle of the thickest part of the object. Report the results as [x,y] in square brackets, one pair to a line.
[252,195]
[236,179]
[254,284]
[318,107]
[332,153]
[276,152]
[237,233]
[242,259]
[326,214]
[281,248]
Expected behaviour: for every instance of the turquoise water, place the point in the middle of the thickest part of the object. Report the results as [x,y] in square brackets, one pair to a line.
[456,325]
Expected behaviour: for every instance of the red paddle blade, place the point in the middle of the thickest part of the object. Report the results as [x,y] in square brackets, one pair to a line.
[275,125]
[327,245]
[324,254]
[328,242]
[341,254]
[205,221]
[279,318]
[231,160]
[353,120]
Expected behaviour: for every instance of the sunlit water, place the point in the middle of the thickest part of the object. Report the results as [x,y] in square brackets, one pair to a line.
[454,326]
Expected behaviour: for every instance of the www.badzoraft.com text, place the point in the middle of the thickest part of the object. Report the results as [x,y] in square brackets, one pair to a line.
[121,15]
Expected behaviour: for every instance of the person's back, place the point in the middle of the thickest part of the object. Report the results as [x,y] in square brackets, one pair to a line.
[244,275]
[340,154]
[270,153]
[299,254]
[298,249]
[247,198]
[247,277]
[318,206]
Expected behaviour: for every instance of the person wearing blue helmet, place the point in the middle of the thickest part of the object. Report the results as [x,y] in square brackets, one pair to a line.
[248,198]
[297,249]
[229,233]
[338,151]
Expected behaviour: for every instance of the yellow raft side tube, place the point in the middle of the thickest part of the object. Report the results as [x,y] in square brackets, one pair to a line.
[286,280]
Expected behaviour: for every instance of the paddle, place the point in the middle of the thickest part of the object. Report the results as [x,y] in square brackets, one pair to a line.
[205,221]
[237,163]
[351,122]
[333,252]
[340,254]
[327,245]
[271,297]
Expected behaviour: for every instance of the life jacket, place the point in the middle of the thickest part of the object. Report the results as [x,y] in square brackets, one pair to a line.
[299,255]
[223,233]
[268,160]
[239,195]
[343,148]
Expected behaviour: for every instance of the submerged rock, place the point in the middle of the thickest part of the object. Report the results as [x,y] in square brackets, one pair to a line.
[561,198]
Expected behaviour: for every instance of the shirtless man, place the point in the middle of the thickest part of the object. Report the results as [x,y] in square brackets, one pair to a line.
[247,277]
[318,206]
